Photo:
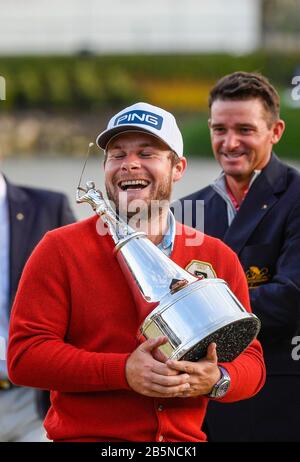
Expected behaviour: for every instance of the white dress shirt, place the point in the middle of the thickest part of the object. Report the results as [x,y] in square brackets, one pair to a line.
[4,275]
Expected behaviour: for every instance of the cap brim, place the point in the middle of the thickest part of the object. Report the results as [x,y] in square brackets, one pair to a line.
[104,138]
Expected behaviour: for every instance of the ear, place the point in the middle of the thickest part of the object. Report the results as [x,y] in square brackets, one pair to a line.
[179,168]
[209,123]
[277,131]
[104,159]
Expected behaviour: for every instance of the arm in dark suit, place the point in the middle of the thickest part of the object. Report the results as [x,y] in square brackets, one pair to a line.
[66,214]
[277,303]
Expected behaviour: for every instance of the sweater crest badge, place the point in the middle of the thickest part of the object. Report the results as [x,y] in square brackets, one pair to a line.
[201,269]
[257,276]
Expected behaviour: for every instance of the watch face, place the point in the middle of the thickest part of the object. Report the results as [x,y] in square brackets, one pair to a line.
[222,388]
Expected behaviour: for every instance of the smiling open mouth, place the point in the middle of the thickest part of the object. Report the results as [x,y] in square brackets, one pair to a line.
[133,184]
[233,155]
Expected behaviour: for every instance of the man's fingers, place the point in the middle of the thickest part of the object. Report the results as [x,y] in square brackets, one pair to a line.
[190,367]
[170,380]
[162,369]
[170,392]
[211,354]
[153,343]
[159,355]
[181,366]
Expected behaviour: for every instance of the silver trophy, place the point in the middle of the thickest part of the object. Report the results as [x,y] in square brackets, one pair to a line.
[189,311]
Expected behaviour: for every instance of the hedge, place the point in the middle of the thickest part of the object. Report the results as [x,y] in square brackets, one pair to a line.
[94,82]
[98,85]
[197,140]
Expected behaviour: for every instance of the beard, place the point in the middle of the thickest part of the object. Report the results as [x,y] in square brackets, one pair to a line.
[143,209]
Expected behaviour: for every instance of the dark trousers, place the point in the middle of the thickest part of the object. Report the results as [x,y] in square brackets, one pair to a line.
[272,415]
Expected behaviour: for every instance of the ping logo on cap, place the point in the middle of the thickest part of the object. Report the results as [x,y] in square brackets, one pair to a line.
[140,117]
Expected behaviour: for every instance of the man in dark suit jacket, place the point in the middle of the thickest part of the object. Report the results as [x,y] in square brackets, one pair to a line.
[254,207]
[26,215]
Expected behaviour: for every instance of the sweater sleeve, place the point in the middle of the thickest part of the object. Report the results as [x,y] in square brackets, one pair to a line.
[38,354]
[247,371]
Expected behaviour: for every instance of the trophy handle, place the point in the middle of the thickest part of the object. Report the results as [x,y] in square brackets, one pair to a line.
[119,230]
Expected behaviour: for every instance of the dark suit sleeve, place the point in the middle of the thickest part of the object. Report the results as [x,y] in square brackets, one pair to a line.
[66,214]
[277,303]
[247,371]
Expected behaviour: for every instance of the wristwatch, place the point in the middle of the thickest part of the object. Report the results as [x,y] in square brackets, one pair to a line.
[221,387]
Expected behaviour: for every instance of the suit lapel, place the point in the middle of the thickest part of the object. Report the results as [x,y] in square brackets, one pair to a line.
[21,217]
[259,200]
[215,215]
[257,203]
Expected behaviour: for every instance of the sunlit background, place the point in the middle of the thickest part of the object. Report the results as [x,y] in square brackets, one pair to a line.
[66,67]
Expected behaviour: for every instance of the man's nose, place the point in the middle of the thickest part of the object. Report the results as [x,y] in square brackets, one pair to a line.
[131,162]
[231,141]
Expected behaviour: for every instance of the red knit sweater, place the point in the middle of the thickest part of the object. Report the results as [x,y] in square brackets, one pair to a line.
[74,324]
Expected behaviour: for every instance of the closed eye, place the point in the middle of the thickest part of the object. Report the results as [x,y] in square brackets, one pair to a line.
[218,129]
[246,130]
[116,155]
[146,154]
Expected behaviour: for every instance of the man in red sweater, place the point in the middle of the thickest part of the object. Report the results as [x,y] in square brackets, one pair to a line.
[74,322]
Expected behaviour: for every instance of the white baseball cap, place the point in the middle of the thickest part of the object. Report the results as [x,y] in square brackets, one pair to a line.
[145,118]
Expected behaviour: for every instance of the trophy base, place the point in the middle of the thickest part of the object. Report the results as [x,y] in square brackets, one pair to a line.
[200,313]
[231,341]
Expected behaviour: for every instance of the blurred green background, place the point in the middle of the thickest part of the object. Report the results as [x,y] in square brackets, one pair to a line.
[76,94]
[68,69]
